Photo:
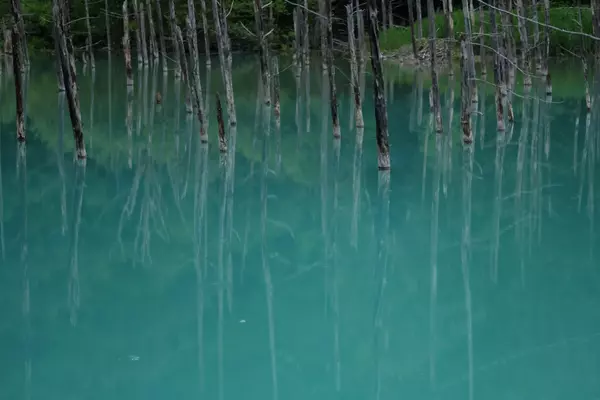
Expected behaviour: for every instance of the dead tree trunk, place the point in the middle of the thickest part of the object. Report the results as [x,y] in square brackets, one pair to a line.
[70,79]
[107,24]
[225,58]
[276,103]
[59,76]
[332,89]
[221,124]
[297,42]
[435,90]
[361,35]
[173,25]
[411,22]
[546,35]
[449,33]
[323,33]
[126,45]
[588,101]
[465,92]
[595,6]
[142,27]
[205,31]
[536,36]
[161,37]
[153,45]
[524,43]
[263,50]
[354,72]
[18,21]
[305,39]
[192,20]
[88,41]
[16,42]
[381,119]
[383,14]
[138,36]
[482,40]
[195,80]
[419,20]
[497,72]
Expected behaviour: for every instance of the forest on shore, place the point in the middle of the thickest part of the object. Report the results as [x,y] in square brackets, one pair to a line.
[37,16]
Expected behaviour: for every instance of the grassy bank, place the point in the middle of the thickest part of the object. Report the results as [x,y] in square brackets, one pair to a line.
[564,18]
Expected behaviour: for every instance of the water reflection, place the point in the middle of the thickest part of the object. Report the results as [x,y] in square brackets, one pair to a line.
[289,267]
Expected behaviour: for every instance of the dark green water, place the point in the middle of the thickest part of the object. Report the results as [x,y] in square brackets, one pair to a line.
[290,269]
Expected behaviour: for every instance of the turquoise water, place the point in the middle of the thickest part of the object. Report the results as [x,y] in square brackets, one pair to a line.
[291,268]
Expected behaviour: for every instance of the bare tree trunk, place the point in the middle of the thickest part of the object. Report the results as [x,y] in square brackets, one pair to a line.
[221,124]
[126,45]
[524,43]
[142,27]
[276,103]
[354,71]
[465,92]
[419,20]
[88,42]
[161,34]
[297,42]
[588,101]
[107,24]
[305,40]
[195,80]
[194,37]
[595,6]
[263,50]
[546,35]
[69,76]
[59,76]
[482,40]
[205,31]
[450,33]
[536,36]
[383,14]
[153,45]
[138,36]
[18,21]
[330,69]
[173,25]
[497,72]
[16,44]
[381,118]
[225,58]
[411,21]
[435,91]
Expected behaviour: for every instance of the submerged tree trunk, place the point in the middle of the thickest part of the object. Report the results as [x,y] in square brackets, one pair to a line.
[59,76]
[331,71]
[142,28]
[524,43]
[173,26]
[465,92]
[354,72]
[221,125]
[70,79]
[411,22]
[381,118]
[195,81]
[497,72]
[107,24]
[16,42]
[153,45]
[126,45]
[88,41]
[225,58]
[161,37]
[276,104]
[419,20]
[435,91]
[205,31]
[18,21]
[450,32]
[263,50]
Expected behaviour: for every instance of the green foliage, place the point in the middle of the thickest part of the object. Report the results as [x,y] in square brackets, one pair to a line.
[561,18]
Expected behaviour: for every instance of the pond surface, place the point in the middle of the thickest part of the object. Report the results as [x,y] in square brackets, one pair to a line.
[290,268]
